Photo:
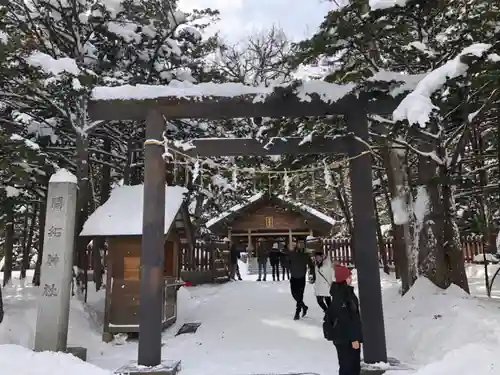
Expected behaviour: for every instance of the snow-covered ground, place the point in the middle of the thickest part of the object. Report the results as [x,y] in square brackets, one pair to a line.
[247,328]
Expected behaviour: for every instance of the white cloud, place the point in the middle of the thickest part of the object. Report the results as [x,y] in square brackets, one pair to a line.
[239,18]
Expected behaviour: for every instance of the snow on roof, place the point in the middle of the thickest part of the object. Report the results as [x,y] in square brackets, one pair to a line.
[258,196]
[235,208]
[329,92]
[121,215]
[309,209]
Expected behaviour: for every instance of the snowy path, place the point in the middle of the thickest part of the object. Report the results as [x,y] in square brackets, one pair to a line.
[247,328]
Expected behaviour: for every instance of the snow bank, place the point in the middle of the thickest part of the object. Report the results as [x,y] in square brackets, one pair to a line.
[473,359]
[19,325]
[428,322]
[16,360]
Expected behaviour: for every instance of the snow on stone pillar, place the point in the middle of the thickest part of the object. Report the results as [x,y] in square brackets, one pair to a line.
[55,283]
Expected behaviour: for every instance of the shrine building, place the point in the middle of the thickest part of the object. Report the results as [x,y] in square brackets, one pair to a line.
[272,216]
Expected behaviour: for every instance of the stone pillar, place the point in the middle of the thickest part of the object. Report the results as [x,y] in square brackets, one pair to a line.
[57,262]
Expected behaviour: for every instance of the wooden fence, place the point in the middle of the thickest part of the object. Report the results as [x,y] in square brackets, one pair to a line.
[340,249]
[204,257]
[213,257]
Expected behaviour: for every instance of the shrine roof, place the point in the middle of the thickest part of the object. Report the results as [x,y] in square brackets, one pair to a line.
[122,213]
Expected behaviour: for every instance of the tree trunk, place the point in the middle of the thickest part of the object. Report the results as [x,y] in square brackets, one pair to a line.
[452,246]
[41,236]
[401,244]
[432,261]
[29,242]
[380,238]
[1,306]
[82,210]
[98,243]
[127,171]
[9,241]
[24,244]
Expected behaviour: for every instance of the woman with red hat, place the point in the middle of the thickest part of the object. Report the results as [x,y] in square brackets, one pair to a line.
[342,323]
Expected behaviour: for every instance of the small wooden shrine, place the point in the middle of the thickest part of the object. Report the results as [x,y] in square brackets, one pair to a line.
[271,216]
[119,220]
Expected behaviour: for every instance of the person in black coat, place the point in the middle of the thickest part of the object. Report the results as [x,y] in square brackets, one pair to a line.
[274,259]
[234,255]
[342,323]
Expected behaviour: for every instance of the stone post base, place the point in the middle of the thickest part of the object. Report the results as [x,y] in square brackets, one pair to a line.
[393,365]
[165,368]
[78,352]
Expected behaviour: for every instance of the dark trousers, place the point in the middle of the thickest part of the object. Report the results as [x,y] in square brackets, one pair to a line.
[235,271]
[323,302]
[297,287]
[275,265]
[284,267]
[349,359]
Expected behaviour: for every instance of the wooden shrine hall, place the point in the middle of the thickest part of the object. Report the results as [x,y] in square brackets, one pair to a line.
[271,215]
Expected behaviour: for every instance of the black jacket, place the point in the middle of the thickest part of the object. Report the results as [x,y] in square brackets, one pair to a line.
[299,261]
[342,321]
[274,256]
[234,254]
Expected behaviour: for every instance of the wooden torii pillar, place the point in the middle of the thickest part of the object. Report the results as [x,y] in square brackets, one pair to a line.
[112,104]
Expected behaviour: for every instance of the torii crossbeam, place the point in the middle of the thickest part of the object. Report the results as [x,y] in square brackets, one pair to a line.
[157,104]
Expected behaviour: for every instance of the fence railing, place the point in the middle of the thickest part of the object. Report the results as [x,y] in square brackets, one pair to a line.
[210,256]
[203,256]
[340,249]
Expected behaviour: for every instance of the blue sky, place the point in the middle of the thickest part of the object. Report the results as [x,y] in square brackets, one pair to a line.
[241,17]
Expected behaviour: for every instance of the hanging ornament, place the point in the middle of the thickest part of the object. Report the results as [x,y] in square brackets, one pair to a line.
[286,182]
[313,186]
[196,170]
[186,174]
[328,176]
[254,178]
[166,153]
[235,179]
[175,168]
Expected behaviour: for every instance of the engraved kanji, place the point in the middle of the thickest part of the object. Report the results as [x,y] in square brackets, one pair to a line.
[50,290]
[54,232]
[52,259]
[57,203]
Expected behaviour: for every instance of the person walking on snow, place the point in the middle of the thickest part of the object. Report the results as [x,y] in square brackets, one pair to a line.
[324,277]
[299,262]
[262,255]
[342,323]
[284,261]
[234,255]
[274,259]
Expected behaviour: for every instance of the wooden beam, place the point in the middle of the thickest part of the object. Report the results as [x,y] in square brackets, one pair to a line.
[365,241]
[264,234]
[152,245]
[245,106]
[217,147]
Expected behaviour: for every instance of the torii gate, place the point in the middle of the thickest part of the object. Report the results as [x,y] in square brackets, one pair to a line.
[156,103]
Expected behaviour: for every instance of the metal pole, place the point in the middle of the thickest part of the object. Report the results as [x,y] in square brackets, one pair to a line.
[365,240]
[153,239]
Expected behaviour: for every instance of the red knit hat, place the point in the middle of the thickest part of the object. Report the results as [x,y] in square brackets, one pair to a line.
[342,273]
